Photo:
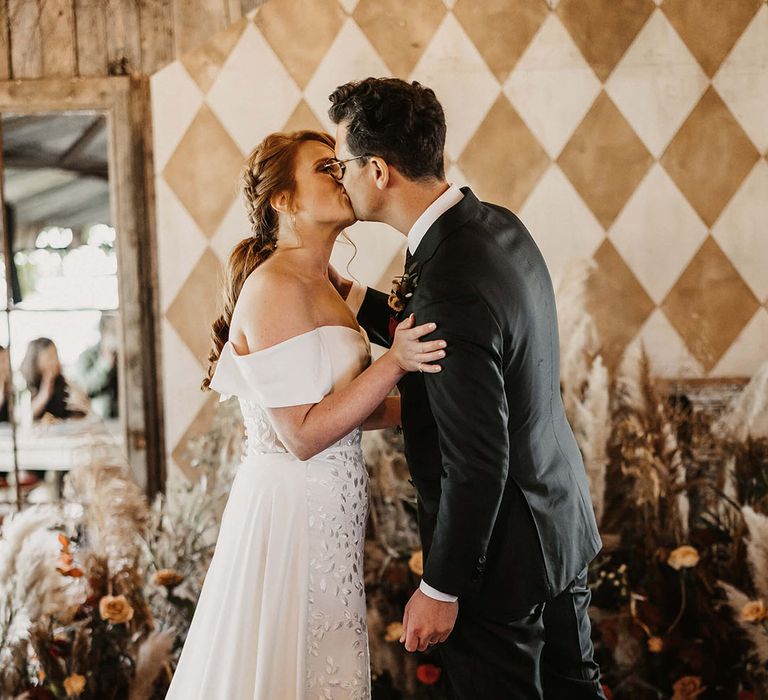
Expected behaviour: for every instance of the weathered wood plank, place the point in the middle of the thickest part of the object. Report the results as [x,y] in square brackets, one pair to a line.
[157,48]
[91,34]
[57,31]
[26,40]
[123,36]
[5,42]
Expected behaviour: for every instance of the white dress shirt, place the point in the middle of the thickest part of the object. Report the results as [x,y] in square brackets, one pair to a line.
[452,196]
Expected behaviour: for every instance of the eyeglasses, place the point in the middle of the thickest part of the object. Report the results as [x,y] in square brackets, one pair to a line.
[336,168]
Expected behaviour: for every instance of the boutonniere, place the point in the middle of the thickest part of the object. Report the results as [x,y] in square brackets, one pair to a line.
[403,288]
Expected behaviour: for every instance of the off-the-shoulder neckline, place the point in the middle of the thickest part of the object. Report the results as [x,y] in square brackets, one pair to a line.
[236,355]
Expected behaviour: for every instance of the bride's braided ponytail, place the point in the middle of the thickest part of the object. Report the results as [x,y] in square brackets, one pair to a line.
[268,171]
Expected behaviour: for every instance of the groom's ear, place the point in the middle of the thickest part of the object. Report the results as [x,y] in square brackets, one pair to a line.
[380,172]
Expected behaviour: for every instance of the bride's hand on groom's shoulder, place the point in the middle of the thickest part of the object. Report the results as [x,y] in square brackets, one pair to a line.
[413,354]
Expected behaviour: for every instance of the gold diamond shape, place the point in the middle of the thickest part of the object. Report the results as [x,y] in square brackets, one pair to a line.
[604,29]
[710,28]
[204,169]
[205,62]
[199,426]
[196,306]
[400,30]
[303,118]
[617,302]
[300,33]
[710,304]
[504,161]
[709,156]
[605,160]
[501,30]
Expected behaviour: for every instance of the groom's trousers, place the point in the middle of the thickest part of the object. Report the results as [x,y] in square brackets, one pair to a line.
[546,653]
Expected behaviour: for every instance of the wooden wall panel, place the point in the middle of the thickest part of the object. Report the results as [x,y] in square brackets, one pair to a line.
[57,32]
[26,39]
[91,38]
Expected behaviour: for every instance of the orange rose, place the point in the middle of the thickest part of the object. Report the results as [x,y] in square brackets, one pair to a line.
[74,684]
[687,688]
[394,632]
[685,557]
[115,609]
[655,645]
[416,563]
[754,611]
[170,578]
[428,674]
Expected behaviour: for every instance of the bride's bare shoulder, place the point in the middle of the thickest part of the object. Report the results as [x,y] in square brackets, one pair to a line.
[274,305]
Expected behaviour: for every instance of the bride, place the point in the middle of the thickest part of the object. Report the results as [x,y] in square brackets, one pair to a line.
[282,612]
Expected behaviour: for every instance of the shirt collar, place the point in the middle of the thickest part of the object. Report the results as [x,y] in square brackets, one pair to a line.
[452,196]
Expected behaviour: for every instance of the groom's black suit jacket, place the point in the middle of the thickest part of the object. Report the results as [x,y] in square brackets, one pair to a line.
[505,513]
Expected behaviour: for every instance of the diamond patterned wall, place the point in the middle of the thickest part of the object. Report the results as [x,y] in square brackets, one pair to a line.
[632,132]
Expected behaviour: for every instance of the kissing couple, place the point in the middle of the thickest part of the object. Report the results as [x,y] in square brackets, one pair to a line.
[471,339]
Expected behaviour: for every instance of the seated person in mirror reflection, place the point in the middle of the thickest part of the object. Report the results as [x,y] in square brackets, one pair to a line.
[96,370]
[52,394]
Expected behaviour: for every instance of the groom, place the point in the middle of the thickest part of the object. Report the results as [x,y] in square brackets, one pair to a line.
[505,515]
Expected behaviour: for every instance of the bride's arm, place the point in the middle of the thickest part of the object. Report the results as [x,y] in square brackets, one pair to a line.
[278,309]
[387,415]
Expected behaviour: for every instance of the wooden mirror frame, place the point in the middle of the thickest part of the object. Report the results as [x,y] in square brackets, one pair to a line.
[124,101]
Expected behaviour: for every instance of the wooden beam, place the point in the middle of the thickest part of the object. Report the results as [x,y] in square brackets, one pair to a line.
[196,21]
[91,38]
[157,47]
[58,35]
[5,41]
[123,37]
[26,39]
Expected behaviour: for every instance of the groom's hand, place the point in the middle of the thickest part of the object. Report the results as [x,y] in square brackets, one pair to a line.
[427,621]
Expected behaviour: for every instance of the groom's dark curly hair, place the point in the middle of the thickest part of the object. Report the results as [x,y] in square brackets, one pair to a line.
[402,122]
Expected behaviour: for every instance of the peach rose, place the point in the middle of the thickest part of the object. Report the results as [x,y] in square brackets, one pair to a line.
[394,632]
[687,688]
[684,557]
[416,563]
[170,578]
[754,611]
[655,645]
[74,684]
[115,609]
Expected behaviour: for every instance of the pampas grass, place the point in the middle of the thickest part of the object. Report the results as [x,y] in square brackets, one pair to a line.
[755,633]
[757,549]
[153,656]
[116,511]
[584,379]
[747,416]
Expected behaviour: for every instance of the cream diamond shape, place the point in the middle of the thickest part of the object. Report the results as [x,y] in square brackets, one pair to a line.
[668,354]
[657,233]
[253,94]
[748,352]
[742,230]
[180,242]
[657,83]
[175,101]
[376,245]
[182,374]
[349,5]
[552,72]
[351,57]
[462,81]
[742,80]
[560,222]
[233,228]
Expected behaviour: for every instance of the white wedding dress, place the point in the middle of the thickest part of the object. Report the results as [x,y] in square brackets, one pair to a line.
[282,612]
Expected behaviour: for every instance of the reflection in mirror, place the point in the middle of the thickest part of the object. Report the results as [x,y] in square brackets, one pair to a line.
[62,327]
